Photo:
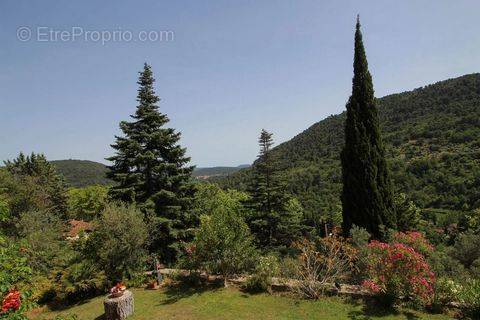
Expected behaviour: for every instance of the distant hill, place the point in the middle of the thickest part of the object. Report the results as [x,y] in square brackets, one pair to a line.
[432,137]
[216,172]
[81,173]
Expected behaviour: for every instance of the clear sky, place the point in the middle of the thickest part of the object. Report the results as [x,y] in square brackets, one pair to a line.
[233,67]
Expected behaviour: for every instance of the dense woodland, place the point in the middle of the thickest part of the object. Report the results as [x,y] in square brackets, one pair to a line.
[432,136]
[398,218]
[82,173]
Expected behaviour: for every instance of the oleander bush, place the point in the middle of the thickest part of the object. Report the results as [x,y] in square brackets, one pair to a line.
[397,272]
[415,240]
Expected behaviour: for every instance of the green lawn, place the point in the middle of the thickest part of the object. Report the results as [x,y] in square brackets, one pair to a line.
[230,304]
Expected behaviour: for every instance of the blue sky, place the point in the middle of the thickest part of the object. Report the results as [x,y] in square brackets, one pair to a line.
[233,68]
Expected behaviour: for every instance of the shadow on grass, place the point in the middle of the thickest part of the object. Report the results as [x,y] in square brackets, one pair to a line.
[61,306]
[371,310]
[184,290]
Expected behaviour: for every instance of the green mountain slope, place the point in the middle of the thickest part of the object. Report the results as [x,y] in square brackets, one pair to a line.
[432,136]
[215,172]
[81,173]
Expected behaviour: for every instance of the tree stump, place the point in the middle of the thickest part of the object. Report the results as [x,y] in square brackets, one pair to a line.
[118,308]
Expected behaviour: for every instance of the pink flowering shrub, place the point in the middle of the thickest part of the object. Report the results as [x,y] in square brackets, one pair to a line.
[414,239]
[397,271]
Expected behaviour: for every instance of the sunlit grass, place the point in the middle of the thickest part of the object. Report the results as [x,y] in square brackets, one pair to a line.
[231,303]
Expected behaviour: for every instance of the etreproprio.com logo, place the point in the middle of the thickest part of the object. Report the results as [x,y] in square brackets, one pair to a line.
[76,33]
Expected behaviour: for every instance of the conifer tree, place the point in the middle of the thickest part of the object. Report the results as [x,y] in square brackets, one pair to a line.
[48,187]
[276,217]
[367,196]
[151,169]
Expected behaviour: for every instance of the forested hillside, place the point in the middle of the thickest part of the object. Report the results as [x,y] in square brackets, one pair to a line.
[210,172]
[432,136]
[82,173]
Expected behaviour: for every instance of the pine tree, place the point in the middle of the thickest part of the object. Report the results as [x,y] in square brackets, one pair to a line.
[367,196]
[276,217]
[151,169]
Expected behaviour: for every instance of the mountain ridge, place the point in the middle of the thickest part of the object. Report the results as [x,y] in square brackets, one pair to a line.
[82,173]
[431,133]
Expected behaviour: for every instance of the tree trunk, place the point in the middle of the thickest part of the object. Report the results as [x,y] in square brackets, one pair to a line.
[119,308]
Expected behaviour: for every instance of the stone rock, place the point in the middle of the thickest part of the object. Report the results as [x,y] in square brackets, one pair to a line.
[119,308]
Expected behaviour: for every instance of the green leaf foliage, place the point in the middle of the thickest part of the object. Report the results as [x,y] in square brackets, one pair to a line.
[223,243]
[117,244]
[86,203]
[34,184]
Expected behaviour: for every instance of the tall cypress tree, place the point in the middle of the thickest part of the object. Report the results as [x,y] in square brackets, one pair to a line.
[276,217]
[367,196]
[151,169]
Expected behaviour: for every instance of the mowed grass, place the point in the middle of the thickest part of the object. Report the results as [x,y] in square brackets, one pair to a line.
[230,303]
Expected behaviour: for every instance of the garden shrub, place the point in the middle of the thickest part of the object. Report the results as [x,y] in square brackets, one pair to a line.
[13,306]
[322,263]
[466,248]
[359,238]
[86,203]
[223,244]
[470,298]
[443,265]
[397,271]
[78,281]
[288,267]
[43,233]
[261,280]
[137,280]
[117,244]
[407,212]
[14,269]
[42,289]
[446,292]
[415,240]
[473,220]
[475,269]
[14,273]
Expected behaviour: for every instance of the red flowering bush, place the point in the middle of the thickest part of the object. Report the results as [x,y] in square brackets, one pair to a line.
[11,302]
[12,306]
[414,239]
[397,271]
